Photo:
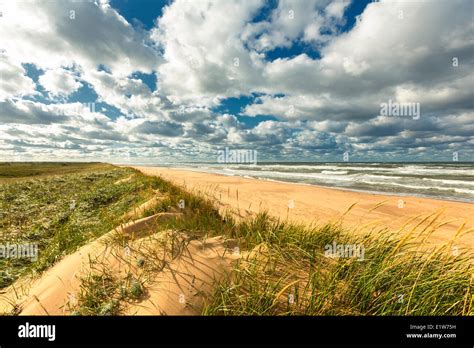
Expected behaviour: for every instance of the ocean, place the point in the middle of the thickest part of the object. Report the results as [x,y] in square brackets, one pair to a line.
[451,181]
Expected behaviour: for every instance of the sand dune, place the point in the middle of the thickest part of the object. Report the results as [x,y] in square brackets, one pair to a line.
[49,293]
[182,287]
[178,289]
[313,204]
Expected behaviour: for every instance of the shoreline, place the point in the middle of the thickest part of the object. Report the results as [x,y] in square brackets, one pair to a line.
[252,195]
[440,197]
[446,199]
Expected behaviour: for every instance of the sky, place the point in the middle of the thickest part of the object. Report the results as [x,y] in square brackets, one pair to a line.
[162,81]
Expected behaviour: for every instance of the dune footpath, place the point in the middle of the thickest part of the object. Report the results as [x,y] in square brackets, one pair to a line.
[317,205]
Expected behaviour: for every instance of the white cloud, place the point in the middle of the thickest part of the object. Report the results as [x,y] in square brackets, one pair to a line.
[379,59]
[13,79]
[59,82]
[299,20]
[93,35]
[204,56]
[206,51]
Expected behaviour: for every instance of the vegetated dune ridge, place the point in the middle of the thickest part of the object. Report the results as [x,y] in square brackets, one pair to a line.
[178,288]
[314,204]
[179,271]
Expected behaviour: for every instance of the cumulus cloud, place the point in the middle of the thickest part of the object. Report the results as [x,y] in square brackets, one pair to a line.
[204,57]
[312,21]
[59,82]
[13,79]
[200,53]
[82,35]
[28,112]
[81,32]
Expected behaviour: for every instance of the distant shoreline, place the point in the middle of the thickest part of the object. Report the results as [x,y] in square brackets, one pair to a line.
[380,193]
[444,182]
[143,164]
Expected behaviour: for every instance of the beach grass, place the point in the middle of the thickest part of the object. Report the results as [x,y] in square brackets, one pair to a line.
[60,211]
[284,268]
[103,293]
[17,170]
[293,276]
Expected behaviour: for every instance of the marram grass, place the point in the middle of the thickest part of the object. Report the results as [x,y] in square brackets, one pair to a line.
[284,269]
[294,277]
[59,212]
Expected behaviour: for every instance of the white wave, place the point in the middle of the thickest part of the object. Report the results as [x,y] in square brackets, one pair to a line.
[380,176]
[433,171]
[451,182]
[282,167]
[319,176]
[419,187]
[335,172]
[409,169]
[460,190]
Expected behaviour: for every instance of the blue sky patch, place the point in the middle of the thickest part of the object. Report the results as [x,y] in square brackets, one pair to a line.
[296,49]
[264,14]
[355,8]
[32,71]
[145,11]
[253,121]
[85,94]
[147,79]
[234,106]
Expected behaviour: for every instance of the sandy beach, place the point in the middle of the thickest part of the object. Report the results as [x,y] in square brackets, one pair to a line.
[318,205]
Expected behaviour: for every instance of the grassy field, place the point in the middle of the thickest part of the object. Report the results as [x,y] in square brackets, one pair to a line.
[285,271]
[29,169]
[61,208]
